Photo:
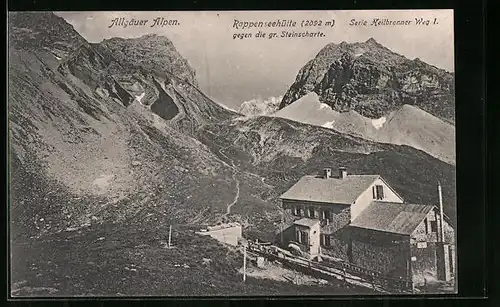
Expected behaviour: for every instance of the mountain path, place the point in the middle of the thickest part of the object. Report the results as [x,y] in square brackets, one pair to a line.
[233,167]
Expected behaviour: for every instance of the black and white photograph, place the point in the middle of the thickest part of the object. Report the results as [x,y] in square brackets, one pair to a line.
[231,153]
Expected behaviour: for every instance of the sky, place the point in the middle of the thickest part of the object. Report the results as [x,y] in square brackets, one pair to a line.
[232,71]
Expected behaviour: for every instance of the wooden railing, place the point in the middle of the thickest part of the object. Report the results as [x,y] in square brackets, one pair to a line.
[341,270]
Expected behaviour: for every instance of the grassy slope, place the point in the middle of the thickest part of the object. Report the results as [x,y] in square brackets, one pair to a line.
[117,259]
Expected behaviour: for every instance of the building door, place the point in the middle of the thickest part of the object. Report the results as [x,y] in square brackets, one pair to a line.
[314,239]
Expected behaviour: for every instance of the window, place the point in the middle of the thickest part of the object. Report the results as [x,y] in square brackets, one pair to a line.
[379,192]
[426,223]
[299,210]
[434,226]
[302,237]
[312,213]
[295,211]
[325,240]
[305,237]
[325,215]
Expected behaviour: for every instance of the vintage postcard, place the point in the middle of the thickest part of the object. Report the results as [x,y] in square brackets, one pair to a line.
[232,153]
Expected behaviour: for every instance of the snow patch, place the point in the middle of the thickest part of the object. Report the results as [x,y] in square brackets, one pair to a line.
[359,52]
[378,123]
[329,124]
[103,181]
[139,98]
[241,118]
[323,106]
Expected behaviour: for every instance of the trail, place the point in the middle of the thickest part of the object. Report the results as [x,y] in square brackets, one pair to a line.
[262,179]
[230,163]
[233,167]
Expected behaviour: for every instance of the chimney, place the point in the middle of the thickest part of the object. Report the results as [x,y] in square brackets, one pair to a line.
[327,173]
[342,172]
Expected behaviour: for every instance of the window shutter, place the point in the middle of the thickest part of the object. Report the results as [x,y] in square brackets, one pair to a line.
[380,191]
[322,240]
[312,213]
[374,194]
[306,239]
[298,236]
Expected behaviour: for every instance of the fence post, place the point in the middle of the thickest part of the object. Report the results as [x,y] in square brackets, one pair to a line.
[244,263]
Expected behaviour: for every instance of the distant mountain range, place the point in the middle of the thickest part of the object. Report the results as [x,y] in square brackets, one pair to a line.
[258,107]
[366,90]
[104,135]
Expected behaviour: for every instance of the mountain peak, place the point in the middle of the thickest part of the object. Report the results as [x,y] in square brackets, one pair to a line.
[348,76]
[152,52]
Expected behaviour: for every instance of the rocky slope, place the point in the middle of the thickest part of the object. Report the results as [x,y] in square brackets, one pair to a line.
[407,125]
[89,129]
[373,81]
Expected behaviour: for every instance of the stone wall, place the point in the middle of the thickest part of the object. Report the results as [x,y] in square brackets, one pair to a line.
[386,253]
